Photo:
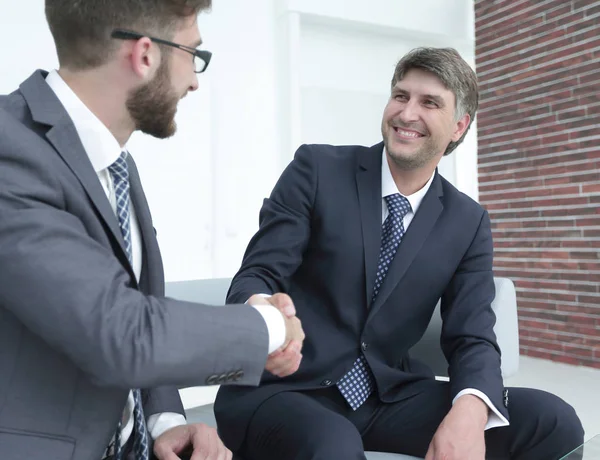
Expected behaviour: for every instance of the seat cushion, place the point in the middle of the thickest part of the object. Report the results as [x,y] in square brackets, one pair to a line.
[204,414]
[386,456]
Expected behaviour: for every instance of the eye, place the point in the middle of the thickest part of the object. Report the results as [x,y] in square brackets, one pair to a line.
[400,97]
[430,103]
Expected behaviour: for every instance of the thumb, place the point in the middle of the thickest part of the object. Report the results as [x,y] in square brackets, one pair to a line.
[284,304]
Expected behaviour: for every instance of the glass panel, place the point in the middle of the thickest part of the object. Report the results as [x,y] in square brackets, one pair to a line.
[588,451]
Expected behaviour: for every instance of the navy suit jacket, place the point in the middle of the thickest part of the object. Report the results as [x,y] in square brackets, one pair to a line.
[319,241]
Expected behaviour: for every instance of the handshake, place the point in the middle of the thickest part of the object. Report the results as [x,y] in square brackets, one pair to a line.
[286,359]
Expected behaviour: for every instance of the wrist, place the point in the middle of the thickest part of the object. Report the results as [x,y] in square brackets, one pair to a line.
[259,299]
[473,407]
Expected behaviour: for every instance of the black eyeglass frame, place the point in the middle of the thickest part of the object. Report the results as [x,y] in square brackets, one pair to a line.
[205,55]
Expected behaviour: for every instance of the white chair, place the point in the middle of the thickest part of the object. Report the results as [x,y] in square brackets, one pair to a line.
[213,292]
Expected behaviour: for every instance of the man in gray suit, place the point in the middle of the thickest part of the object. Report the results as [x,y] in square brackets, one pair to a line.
[91,352]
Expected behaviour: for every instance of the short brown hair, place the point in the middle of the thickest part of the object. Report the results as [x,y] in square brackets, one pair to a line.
[82,28]
[455,74]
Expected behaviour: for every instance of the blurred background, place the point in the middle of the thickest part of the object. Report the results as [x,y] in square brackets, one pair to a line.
[287,72]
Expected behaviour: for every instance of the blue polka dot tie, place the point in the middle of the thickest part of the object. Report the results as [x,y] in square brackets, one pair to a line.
[358,383]
[120,176]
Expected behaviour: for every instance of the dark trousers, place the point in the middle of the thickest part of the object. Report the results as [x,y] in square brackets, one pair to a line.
[319,425]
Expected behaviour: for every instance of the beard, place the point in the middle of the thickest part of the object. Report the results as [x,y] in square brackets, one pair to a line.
[153,105]
[426,153]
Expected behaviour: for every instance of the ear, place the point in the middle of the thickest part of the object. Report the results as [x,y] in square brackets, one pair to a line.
[460,127]
[144,58]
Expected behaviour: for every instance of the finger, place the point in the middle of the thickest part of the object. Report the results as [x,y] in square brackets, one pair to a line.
[200,453]
[276,366]
[166,451]
[292,368]
[430,453]
[284,355]
[284,303]
[282,361]
[276,353]
[293,347]
[167,456]
[222,451]
[225,452]
[217,448]
[288,367]
[200,442]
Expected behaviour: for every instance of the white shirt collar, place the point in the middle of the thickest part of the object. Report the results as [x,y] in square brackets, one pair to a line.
[101,146]
[388,186]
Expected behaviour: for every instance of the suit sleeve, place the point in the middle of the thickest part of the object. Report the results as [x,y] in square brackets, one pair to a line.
[468,339]
[162,399]
[277,249]
[72,292]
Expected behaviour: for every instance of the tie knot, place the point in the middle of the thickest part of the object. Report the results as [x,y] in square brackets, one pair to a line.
[398,205]
[119,167]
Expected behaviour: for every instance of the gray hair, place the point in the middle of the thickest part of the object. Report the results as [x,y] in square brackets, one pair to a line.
[455,74]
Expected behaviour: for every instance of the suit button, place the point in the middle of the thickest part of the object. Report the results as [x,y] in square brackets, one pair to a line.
[364,346]
[231,377]
[222,379]
[212,380]
[238,375]
[326,383]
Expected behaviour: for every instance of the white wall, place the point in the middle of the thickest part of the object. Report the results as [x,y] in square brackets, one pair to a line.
[283,73]
[341,55]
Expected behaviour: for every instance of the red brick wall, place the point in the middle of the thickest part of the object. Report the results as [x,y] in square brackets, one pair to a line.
[538,64]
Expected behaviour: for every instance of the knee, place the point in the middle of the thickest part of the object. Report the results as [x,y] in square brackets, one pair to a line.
[560,418]
[570,427]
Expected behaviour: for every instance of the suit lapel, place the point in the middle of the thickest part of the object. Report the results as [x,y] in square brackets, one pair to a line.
[423,222]
[152,278]
[368,183]
[47,109]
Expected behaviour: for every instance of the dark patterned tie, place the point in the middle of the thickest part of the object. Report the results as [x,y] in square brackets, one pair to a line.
[120,175]
[358,383]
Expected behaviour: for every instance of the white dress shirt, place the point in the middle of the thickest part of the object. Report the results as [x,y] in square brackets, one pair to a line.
[388,187]
[103,150]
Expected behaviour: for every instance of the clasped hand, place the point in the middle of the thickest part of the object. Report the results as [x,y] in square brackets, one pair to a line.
[196,442]
[286,359]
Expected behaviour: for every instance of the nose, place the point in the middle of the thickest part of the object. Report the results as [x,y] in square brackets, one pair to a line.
[409,112]
[194,85]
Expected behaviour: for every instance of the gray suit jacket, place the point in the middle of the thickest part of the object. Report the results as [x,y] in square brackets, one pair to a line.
[77,330]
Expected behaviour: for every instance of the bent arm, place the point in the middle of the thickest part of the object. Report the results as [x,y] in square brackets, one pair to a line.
[468,339]
[73,293]
[277,249]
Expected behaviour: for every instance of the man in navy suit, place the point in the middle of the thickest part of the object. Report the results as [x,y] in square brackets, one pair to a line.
[365,241]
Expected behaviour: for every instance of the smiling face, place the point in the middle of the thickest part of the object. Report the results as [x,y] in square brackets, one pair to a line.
[419,121]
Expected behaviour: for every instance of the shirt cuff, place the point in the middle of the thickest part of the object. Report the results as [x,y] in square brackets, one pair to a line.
[159,423]
[495,418]
[275,325]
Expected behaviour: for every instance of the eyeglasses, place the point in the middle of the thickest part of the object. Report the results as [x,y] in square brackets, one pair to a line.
[201,58]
